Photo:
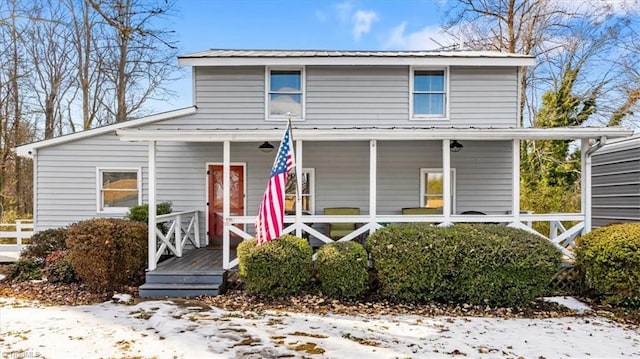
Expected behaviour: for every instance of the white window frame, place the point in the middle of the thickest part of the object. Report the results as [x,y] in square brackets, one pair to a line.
[447,87]
[312,189]
[267,90]
[99,190]
[423,172]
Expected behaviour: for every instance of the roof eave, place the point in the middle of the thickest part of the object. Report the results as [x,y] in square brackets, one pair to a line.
[28,149]
[363,61]
[362,134]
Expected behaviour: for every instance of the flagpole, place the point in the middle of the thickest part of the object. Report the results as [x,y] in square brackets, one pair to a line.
[298,204]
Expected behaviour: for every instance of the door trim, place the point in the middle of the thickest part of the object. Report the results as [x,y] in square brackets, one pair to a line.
[208,186]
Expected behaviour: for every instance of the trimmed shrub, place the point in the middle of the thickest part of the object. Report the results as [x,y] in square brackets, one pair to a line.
[342,269]
[411,261]
[475,264]
[141,213]
[609,260]
[501,266]
[25,269]
[278,268]
[108,253]
[58,268]
[46,242]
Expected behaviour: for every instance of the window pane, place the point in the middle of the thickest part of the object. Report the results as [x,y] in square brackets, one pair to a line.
[118,198]
[285,81]
[428,81]
[120,180]
[282,104]
[428,104]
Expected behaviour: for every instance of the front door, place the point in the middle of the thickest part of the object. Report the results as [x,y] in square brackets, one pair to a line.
[216,199]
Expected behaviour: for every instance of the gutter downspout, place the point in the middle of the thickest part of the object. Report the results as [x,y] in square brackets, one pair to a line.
[586,181]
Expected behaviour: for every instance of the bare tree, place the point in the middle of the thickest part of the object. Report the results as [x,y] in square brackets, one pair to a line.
[139,57]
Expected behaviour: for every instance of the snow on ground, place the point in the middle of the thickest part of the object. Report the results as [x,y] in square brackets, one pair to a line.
[165,329]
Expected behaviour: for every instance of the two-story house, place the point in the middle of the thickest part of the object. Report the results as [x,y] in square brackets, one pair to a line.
[380,137]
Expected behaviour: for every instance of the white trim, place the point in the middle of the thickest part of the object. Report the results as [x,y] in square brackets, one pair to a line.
[618,145]
[208,187]
[27,150]
[267,90]
[436,60]
[424,171]
[298,204]
[515,180]
[586,184]
[152,214]
[373,177]
[447,100]
[226,205]
[35,190]
[99,189]
[374,133]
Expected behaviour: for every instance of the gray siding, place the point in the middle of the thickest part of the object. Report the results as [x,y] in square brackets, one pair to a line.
[616,183]
[233,97]
[66,186]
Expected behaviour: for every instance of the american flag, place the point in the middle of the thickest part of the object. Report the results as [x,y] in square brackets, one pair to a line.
[270,218]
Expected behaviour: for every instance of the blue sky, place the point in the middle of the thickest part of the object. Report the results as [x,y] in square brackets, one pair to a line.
[302,24]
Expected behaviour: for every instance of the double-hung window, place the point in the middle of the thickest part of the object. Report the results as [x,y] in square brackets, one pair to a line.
[429,93]
[432,189]
[306,192]
[285,93]
[118,189]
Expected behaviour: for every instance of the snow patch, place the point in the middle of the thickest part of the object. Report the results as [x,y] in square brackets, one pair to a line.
[571,303]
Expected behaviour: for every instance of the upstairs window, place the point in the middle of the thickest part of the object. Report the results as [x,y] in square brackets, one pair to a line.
[285,93]
[429,93]
[118,189]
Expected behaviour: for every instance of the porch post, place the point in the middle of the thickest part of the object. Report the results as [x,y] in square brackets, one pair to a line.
[373,174]
[152,205]
[446,181]
[226,195]
[585,202]
[515,191]
[299,188]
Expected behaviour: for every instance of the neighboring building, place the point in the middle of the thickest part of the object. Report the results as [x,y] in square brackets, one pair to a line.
[375,131]
[615,184]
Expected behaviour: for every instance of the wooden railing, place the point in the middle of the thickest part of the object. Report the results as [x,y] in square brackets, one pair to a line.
[181,228]
[560,237]
[15,233]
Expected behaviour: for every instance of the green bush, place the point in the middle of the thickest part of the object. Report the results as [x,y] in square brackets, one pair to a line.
[501,266]
[58,268]
[25,269]
[278,268]
[46,242]
[108,253]
[342,269]
[411,261]
[609,260]
[475,264]
[141,213]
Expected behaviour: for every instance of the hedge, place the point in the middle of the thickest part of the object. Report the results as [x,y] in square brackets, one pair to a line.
[341,268]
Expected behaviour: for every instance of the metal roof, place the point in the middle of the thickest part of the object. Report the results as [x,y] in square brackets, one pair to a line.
[237,57]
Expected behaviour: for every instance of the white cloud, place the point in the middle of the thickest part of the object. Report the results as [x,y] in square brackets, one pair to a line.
[343,11]
[362,21]
[399,39]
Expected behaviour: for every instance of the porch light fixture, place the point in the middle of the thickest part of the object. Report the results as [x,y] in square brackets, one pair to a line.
[455,146]
[266,147]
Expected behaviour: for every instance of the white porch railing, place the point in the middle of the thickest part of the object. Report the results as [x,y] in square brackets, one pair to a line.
[559,236]
[184,227]
[15,232]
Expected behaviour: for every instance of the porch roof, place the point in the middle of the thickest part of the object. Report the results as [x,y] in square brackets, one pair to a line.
[373,133]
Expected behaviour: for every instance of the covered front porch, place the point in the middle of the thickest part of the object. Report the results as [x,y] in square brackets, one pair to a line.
[374,213]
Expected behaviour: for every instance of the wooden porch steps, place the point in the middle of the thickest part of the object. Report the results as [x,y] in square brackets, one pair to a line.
[198,272]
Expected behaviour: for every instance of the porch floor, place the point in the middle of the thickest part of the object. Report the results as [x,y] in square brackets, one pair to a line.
[199,260]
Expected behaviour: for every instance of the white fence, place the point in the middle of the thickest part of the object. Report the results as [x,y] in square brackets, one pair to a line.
[13,234]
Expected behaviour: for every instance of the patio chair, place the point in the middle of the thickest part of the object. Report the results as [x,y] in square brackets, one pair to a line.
[339,230]
[421,210]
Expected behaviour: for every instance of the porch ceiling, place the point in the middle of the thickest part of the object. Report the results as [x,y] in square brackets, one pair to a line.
[373,133]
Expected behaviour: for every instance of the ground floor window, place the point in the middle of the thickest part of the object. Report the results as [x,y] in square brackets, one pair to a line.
[306,192]
[118,189]
[432,190]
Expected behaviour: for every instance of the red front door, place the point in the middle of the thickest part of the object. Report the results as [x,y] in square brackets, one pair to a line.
[216,200]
